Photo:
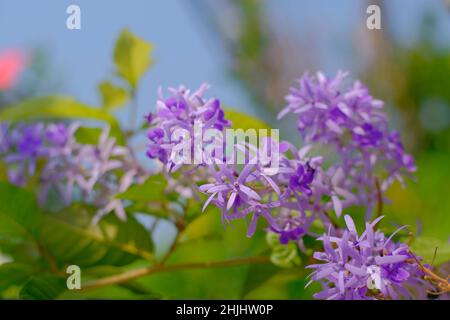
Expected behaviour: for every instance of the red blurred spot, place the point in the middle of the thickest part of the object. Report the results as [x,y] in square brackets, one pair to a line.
[12,63]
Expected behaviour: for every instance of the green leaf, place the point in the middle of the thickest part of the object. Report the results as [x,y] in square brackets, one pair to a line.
[257,275]
[112,95]
[129,232]
[71,244]
[426,246]
[57,107]
[19,212]
[413,204]
[286,284]
[244,121]
[14,273]
[3,172]
[210,283]
[132,57]
[151,190]
[85,135]
[246,126]
[139,208]
[43,288]
[53,107]
[208,224]
[126,291]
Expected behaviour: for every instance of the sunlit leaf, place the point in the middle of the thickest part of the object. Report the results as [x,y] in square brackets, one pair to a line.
[421,203]
[244,121]
[132,57]
[151,190]
[86,135]
[112,95]
[432,250]
[208,224]
[130,233]
[59,108]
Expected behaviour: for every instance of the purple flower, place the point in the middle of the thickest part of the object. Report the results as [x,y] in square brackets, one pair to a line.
[397,153]
[57,134]
[175,120]
[5,143]
[230,188]
[26,146]
[30,142]
[256,189]
[149,118]
[366,266]
[293,228]
[267,179]
[155,149]
[301,180]
[367,135]
[351,123]
[215,111]
[156,134]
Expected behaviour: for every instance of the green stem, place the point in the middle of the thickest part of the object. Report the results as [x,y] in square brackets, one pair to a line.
[133,110]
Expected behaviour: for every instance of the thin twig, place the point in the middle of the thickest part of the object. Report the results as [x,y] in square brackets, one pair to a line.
[154,225]
[138,273]
[171,249]
[442,284]
[49,258]
[133,109]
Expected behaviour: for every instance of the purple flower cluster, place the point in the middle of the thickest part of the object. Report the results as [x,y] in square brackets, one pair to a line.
[176,119]
[272,176]
[302,190]
[22,147]
[93,173]
[366,266]
[351,122]
[252,189]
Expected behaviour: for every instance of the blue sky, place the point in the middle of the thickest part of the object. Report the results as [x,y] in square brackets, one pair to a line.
[185,53]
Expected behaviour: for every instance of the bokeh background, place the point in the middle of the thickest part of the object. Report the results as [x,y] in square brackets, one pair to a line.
[251,51]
